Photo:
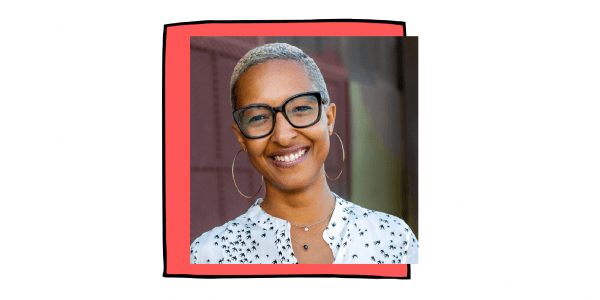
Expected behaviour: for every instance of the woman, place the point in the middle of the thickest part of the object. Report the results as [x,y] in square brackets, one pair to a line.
[283,121]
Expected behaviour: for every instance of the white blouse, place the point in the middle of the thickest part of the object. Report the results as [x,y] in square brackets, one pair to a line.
[355,235]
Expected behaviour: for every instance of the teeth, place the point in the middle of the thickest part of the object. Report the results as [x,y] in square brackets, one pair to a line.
[291,157]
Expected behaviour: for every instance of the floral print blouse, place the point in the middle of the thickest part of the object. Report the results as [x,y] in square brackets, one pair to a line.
[355,235]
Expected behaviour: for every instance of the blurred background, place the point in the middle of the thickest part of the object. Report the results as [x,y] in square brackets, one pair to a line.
[372,80]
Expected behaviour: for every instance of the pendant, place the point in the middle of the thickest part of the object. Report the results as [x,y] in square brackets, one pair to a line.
[305,228]
[305,247]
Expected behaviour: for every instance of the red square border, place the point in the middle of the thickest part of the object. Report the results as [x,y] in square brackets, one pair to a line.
[176,144]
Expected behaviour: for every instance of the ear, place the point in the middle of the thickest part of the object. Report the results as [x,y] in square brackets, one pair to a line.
[240,136]
[330,113]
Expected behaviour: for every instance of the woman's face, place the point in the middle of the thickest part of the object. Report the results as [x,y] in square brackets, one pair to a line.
[272,83]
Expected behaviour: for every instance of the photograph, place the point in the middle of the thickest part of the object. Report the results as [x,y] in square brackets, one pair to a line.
[303,150]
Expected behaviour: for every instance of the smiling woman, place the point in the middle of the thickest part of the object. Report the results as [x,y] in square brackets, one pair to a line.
[283,119]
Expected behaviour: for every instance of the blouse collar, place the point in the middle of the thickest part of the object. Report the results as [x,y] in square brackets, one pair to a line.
[336,224]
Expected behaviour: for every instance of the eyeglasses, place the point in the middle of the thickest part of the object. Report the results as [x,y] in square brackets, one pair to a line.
[258,120]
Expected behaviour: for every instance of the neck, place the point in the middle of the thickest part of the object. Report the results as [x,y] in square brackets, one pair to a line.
[302,207]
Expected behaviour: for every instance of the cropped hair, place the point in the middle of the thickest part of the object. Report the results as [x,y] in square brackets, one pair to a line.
[273,51]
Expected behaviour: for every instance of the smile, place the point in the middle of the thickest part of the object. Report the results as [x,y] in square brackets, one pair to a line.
[290,159]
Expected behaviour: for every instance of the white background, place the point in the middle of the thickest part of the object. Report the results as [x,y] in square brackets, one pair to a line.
[509,144]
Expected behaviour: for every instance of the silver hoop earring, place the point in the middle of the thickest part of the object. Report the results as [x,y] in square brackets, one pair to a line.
[233,176]
[343,159]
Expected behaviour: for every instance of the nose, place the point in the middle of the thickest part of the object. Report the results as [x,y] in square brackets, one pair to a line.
[283,131]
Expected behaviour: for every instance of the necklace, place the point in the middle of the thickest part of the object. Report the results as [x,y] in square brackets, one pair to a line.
[308,226]
[311,240]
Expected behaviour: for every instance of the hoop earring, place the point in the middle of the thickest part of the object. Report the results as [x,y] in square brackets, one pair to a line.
[343,159]
[232,175]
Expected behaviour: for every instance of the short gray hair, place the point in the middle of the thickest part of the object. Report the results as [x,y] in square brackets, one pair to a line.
[273,51]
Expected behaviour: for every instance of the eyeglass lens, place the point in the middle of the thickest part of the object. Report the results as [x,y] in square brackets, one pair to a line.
[301,111]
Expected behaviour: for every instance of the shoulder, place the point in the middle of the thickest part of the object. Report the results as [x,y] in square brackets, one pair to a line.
[363,215]
[210,246]
[213,245]
[207,245]
[377,228]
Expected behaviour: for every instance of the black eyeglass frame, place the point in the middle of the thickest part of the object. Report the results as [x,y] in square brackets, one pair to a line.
[275,110]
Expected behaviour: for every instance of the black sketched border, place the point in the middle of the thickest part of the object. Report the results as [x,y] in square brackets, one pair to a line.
[164,190]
